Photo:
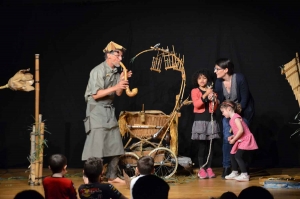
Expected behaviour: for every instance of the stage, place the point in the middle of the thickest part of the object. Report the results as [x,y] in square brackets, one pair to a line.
[188,186]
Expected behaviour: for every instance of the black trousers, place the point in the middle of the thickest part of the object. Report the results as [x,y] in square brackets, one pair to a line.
[240,159]
[203,151]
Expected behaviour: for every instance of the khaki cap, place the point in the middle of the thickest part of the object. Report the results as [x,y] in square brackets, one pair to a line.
[111,46]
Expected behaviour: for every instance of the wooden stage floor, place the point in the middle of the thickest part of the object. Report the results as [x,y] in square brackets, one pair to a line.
[189,186]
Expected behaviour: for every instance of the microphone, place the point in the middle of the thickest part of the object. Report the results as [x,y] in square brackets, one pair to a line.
[156,45]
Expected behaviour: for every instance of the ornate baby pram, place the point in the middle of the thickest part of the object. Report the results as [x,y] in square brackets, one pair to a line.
[152,132]
[149,134]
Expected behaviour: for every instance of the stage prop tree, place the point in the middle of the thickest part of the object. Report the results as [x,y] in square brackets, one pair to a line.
[23,81]
[37,135]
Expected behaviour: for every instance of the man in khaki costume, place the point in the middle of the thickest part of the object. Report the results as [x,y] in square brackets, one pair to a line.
[103,135]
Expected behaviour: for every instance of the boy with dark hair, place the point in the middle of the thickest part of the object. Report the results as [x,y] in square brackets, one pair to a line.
[144,169]
[93,188]
[145,166]
[56,185]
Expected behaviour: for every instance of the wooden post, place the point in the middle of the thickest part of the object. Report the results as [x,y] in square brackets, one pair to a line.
[37,134]
[142,115]
[32,154]
[37,100]
[38,147]
[174,131]
[37,91]
[41,152]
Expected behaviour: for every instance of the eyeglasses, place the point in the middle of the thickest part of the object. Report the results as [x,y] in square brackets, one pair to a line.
[216,69]
[117,55]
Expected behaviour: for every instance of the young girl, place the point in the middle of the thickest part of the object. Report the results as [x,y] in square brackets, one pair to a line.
[242,140]
[205,127]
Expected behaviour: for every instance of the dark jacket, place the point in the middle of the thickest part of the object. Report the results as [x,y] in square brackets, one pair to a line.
[243,95]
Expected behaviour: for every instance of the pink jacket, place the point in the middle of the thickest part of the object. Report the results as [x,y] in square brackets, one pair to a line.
[199,105]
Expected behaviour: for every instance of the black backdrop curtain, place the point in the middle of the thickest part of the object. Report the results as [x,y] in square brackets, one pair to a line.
[70,38]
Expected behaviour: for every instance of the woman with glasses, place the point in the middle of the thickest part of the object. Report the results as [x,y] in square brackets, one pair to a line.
[232,86]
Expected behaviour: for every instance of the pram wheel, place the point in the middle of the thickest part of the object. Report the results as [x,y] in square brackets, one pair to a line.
[165,162]
[128,163]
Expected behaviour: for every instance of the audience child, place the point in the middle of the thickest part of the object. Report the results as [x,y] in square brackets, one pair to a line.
[57,186]
[145,166]
[29,194]
[228,195]
[150,187]
[93,188]
[255,192]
